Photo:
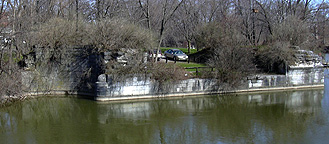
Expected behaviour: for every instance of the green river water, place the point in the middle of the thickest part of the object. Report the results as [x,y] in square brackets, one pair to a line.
[280,117]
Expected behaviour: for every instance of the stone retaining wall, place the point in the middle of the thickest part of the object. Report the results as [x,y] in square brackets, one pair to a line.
[77,74]
[294,77]
[142,87]
[138,86]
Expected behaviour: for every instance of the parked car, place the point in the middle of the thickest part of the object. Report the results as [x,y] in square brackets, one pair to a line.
[175,54]
[154,54]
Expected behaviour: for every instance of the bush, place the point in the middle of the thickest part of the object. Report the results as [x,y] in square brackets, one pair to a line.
[275,57]
[160,72]
[232,64]
[232,61]
[115,34]
[167,72]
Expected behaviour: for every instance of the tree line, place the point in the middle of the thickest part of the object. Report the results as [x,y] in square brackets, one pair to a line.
[259,22]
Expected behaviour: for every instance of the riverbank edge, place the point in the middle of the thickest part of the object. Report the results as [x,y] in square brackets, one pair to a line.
[8,100]
[241,91]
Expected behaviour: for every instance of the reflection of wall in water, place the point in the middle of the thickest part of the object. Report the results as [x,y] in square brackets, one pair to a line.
[293,101]
[297,101]
[135,110]
[143,110]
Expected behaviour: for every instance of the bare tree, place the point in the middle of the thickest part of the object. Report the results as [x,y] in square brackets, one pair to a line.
[208,10]
[247,13]
[293,30]
[168,8]
[187,20]
[158,14]
[320,23]
[145,8]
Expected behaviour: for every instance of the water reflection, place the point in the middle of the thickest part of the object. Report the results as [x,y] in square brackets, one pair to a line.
[326,86]
[281,117]
[321,121]
[325,100]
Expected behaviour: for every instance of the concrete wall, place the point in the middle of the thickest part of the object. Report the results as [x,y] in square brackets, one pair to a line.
[294,77]
[139,87]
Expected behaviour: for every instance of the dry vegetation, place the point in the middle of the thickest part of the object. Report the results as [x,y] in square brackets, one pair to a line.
[240,34]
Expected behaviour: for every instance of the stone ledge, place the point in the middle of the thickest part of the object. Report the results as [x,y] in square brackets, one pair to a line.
[123,98]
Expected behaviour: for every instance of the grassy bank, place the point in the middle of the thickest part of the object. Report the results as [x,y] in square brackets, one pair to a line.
[188,65]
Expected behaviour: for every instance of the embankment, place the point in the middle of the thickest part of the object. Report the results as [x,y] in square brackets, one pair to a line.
[138,87]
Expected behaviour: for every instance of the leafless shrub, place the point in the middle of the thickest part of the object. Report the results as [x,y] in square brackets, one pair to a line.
[120,36]
[10,81]
[115,34]
[275,57]
[232,62]
[159,72]
[209,35]
[162,72]
[53,39]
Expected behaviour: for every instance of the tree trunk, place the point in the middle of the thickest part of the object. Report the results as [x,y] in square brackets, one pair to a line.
[188,46]
[98,9]
[77,14]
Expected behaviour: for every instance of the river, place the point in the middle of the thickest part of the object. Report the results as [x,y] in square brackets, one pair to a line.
[276,117]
